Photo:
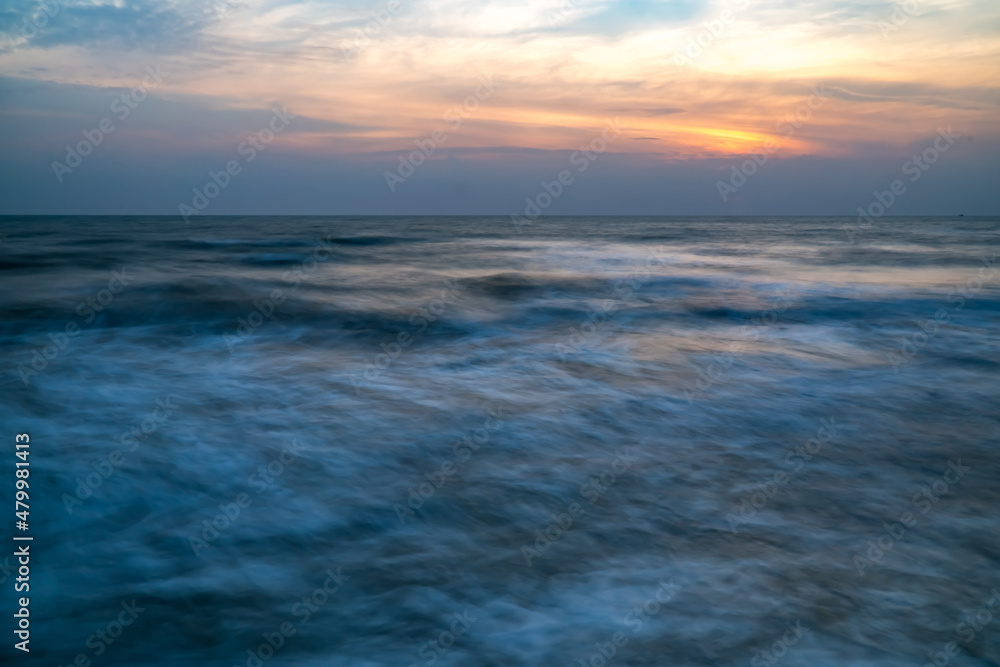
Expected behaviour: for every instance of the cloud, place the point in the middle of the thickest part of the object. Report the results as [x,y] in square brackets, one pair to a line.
[563,67]
[615,19]
[914,96]
[662,111]
[42,117]
[153,25]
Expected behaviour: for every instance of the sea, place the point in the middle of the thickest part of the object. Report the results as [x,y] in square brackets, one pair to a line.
[467,441]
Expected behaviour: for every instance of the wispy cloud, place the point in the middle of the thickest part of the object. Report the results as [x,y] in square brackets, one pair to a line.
[566,66]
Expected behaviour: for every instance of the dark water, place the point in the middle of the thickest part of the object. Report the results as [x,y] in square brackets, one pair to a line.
[680,441]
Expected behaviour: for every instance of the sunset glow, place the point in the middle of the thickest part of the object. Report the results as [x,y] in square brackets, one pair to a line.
[689,80]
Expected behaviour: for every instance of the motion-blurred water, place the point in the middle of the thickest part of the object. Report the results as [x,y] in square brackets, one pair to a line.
[633,441]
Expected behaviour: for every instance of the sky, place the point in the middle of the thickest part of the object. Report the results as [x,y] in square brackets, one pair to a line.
[742,107]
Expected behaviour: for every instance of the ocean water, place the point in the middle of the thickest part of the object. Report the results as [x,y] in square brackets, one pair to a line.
[450,441]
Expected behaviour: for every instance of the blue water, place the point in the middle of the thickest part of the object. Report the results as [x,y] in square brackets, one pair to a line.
[640,441]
